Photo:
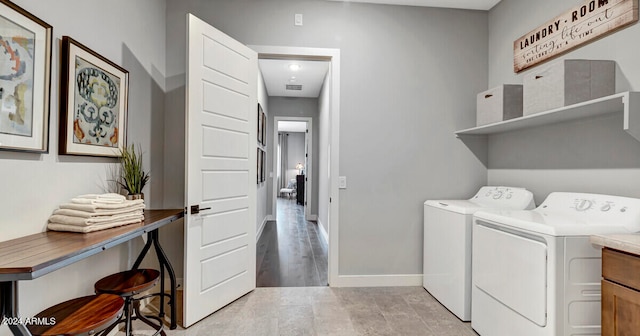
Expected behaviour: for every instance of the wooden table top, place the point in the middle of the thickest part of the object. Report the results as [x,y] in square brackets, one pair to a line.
[35,255]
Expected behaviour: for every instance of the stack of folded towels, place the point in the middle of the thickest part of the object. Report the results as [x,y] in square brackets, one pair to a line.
[93,212]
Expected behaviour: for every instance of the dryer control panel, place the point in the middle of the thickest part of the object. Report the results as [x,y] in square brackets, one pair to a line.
[504,197]
[623,211]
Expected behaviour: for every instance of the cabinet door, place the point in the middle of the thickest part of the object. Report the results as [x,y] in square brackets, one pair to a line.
[620,310]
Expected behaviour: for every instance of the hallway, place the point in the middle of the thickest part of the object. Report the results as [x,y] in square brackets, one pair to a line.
[291,252]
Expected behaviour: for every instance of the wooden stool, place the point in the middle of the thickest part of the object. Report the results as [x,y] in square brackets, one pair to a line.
[87,315]
[127,284]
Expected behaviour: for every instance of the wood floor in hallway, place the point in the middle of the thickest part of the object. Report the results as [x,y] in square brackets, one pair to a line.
[290,251]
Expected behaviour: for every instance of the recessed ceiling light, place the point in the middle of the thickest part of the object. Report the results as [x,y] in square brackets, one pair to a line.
[294,67]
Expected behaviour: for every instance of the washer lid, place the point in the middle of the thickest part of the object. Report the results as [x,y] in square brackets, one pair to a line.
[488,197]
[552,224]
[465,207]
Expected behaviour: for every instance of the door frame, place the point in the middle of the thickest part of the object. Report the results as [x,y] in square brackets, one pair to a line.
[308,188]
[333,56]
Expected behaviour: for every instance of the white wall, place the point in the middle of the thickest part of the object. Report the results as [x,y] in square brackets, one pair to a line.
[583,156]
[409,77]
[131,34]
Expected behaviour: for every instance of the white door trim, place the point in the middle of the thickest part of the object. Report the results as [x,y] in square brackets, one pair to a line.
[308,189]
[334,140]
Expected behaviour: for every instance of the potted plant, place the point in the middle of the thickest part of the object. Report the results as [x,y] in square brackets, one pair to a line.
[133,178]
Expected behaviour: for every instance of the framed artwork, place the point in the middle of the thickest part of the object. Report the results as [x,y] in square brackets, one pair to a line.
[259,168]
[263,173]
[93,102]
[260,125]
[264,129]
[25,78]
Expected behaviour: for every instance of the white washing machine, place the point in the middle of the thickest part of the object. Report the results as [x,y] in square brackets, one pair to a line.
[447,243]
[536,273]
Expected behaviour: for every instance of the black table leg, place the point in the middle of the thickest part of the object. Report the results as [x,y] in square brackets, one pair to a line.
[162,257]
[9,308]
[153,238]
[144,251]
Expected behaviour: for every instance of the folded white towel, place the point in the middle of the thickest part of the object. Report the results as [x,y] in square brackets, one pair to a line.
[101,207]
[90,228]
[99,199]
[108,196]
[71,220]
[101,214]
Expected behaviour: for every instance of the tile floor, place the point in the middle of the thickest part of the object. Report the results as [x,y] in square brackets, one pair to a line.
[332,311]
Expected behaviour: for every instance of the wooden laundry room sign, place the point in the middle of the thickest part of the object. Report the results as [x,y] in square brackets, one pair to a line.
[579,25]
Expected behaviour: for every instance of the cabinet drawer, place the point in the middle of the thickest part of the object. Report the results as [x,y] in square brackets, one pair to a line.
[621,268]
[620,310]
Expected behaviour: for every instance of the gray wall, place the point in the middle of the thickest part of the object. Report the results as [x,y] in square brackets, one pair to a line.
[409,77]
[34,185]
[300,107]
[322,155]
[593,155]
[263,207]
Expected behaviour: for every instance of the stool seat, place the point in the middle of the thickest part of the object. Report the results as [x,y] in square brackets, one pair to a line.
[128,283]
[81,316]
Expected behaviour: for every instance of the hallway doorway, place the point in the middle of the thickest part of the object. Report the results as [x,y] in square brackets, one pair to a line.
[325,197]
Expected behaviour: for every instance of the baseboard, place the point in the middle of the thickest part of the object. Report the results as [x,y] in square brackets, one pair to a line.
[313,218]
[323,232]
[391,280]
[271,218]
[179,283]
[261,228]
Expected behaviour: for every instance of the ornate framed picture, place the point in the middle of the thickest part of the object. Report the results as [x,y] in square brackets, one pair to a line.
[93,102]
[25,78]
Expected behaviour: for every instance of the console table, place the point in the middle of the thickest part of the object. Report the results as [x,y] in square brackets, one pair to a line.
[33,256]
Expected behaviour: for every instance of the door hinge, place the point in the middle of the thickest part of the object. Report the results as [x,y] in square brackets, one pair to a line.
[306,155]
[306,179]
[329,199]
[307,131]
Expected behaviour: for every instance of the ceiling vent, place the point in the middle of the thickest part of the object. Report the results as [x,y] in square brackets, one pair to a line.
[291,87]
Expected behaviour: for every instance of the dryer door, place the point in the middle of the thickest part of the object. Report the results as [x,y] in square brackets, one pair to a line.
[512,269]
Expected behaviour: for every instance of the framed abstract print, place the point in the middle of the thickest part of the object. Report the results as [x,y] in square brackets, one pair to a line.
[93,102]
[25,77]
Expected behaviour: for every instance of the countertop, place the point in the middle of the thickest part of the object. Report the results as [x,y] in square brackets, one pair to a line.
[629,243]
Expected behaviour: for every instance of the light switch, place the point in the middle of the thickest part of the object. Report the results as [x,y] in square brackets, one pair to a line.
[342,182]
[298,20]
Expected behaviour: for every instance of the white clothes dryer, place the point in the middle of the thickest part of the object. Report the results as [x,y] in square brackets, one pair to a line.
[535,273]
[447,243]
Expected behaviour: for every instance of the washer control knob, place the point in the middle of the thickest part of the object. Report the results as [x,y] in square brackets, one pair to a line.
[497,195]
[584,205]
[606,207]
[509,196]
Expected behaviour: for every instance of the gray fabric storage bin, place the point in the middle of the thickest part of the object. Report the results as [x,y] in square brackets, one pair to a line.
[503,102]
[567,82]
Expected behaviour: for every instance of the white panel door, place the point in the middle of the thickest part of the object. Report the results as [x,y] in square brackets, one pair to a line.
[220,255]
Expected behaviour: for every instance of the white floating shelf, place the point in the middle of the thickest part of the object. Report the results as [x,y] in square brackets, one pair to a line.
[625,102]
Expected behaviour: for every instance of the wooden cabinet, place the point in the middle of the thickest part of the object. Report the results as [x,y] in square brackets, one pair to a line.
[620,293]
[300,189]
